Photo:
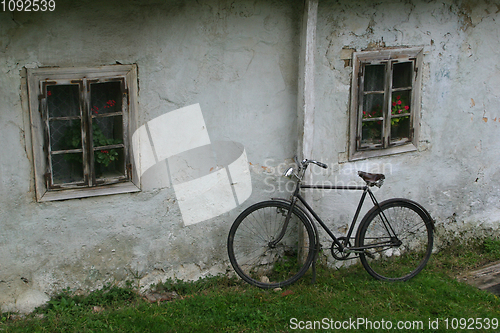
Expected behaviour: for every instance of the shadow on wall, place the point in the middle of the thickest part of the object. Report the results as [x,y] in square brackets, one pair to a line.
[209,179]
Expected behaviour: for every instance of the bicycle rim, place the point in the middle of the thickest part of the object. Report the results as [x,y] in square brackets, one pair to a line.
[261,263]
[395,258]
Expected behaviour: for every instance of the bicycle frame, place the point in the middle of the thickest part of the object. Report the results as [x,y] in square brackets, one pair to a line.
[366,190]
[274,242]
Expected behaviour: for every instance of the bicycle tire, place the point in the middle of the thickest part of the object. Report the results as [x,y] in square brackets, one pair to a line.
[260,264]
[414,230]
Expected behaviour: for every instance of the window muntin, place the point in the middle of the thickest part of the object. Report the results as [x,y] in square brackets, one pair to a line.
[384,110]
[385,104]
[109,157]
[62,116]
[85,131]
[80,123]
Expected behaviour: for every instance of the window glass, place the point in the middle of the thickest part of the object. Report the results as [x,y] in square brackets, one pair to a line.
[65,134]
[372,119]
[103,154]
[81,118]
[109,163]
[401,75]
[67,168]
[383,109]
[400,129]
[401,103]
[107,130]
[376,111]
[371,133]
[106,97]
[374,78]
[63,100]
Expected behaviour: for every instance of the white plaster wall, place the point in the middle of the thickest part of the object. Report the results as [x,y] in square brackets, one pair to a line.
[237,60]
[455,173]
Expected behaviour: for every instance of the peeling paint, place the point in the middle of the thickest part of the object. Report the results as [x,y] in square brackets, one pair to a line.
[460,41]
[239,62]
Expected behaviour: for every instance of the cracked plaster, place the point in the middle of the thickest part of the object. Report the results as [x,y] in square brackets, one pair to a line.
[239,61]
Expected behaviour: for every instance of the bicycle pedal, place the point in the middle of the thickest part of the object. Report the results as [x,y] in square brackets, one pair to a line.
[369,254]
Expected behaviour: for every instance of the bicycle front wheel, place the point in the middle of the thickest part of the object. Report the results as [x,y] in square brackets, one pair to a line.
[396,240]
[257,254]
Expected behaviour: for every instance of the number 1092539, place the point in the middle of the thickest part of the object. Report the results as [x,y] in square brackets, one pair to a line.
[28,5]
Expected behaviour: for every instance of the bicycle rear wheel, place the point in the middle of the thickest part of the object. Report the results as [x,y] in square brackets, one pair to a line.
[254,256]
[397,239]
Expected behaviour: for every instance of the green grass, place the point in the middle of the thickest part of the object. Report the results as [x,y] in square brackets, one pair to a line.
[221,304]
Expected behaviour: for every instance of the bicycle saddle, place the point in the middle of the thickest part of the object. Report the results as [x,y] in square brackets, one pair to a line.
[371,178]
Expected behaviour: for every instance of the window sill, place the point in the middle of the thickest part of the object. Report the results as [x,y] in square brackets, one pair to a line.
[128,187]
[361,155]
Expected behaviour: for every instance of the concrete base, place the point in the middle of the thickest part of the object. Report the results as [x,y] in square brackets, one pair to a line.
[30,300]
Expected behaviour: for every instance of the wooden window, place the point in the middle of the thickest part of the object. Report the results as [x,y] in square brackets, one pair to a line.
[385,102]
[82,122]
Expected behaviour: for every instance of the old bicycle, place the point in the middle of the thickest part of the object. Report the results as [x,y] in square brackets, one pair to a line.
[273,243]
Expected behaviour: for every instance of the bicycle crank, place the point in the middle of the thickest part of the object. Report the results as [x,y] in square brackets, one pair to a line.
[341,255]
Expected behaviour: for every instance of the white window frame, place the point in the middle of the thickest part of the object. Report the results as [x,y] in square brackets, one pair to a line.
[36,97]
[415,55]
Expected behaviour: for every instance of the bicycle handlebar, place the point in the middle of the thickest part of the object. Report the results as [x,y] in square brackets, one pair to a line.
[306,161]
[302,167]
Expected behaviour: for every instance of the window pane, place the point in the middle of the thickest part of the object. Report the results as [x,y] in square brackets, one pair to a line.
[401,75]
[373,105]
[105,97]
[107,131]
[400,116]
[67,168]
[400,129]
[109,163]
[374,77]
[65,134]
[371,133]
[62,100]
[401,102]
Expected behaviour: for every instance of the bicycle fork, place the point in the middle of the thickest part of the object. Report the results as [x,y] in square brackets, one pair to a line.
[272,244]
[317,246]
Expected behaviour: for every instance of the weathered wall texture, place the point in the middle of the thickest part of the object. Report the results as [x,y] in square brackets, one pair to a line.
[238,60]
[455,173]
